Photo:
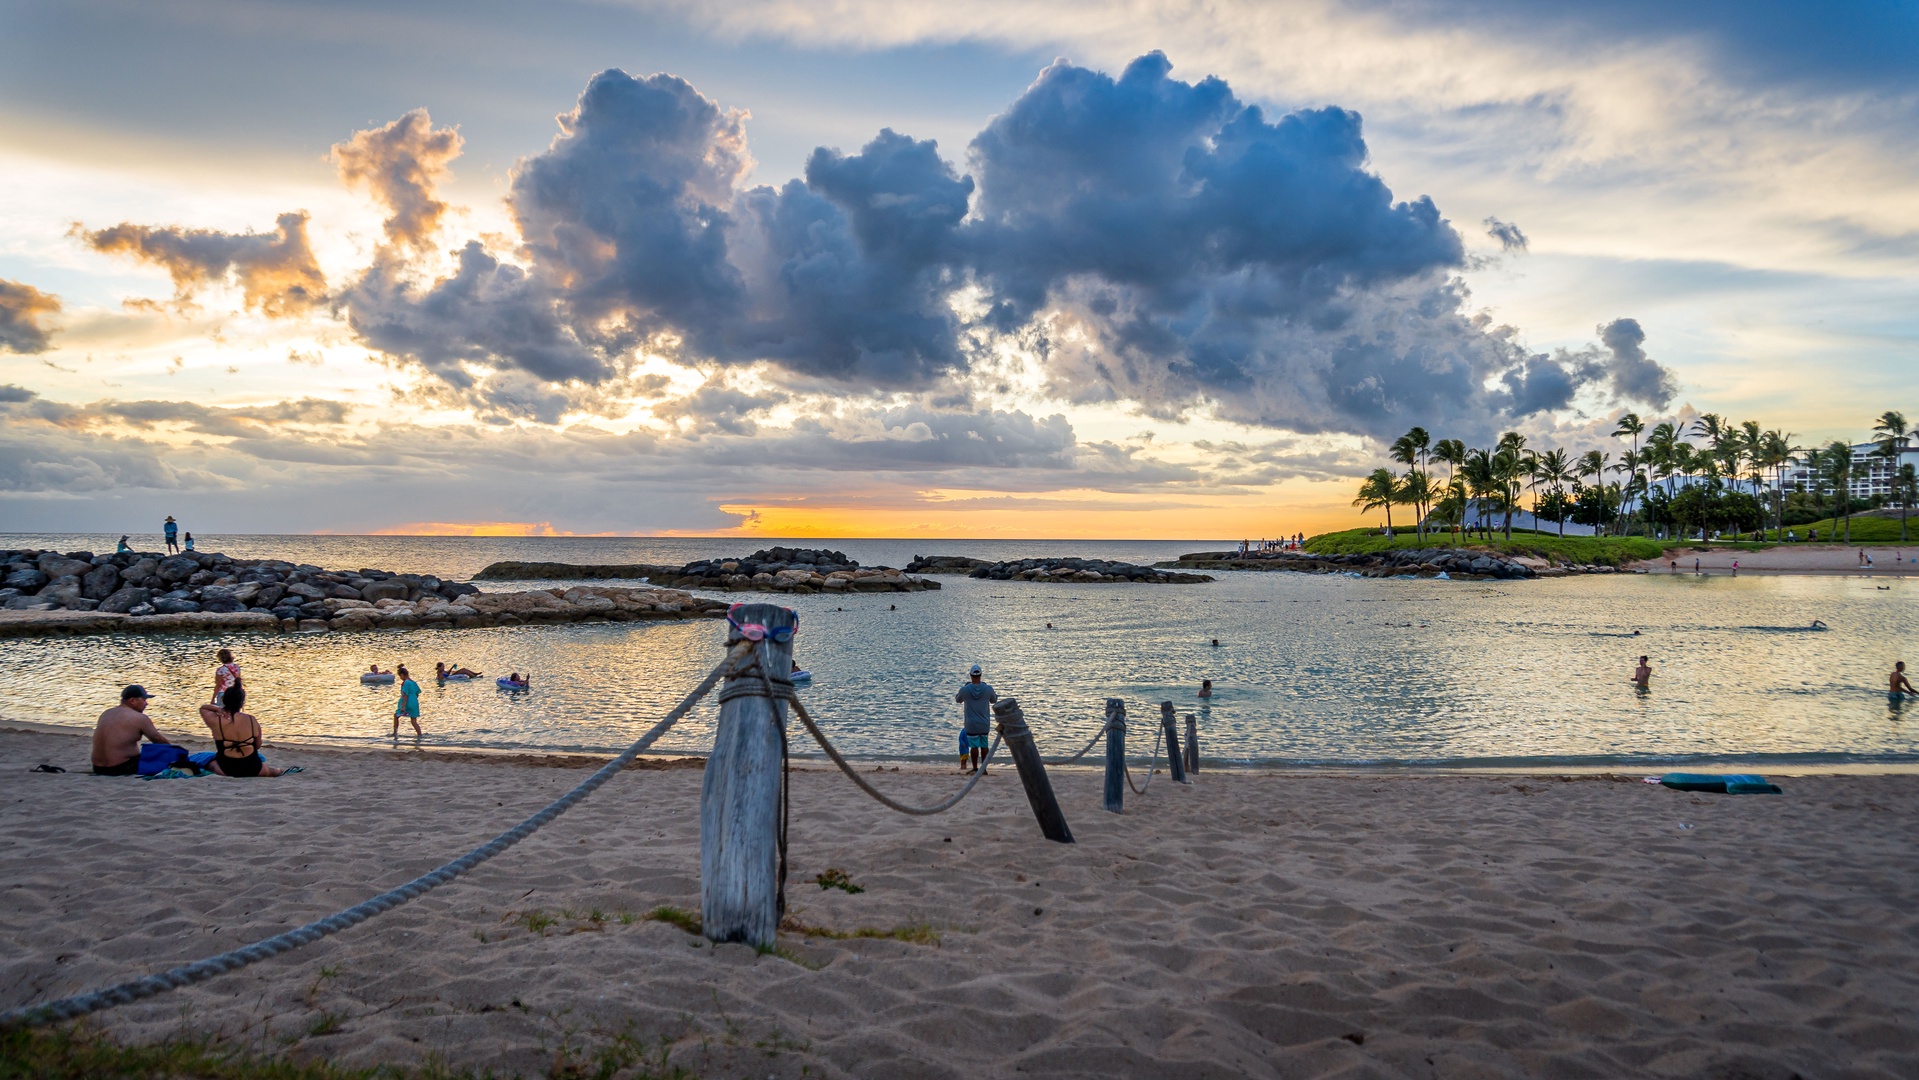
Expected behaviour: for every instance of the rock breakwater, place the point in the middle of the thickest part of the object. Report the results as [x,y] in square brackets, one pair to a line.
[1082,571]
[945,564]
[78,592]
[1467,563]
[780,569]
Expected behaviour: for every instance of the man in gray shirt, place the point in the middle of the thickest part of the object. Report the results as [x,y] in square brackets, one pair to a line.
[978,698]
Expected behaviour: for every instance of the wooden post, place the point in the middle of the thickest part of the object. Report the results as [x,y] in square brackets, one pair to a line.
[1032,774]
[1175,759]
[1115,755]
[1192,745]
[740,799]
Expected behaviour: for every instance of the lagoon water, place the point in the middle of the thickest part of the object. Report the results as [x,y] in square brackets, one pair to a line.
[1310,670]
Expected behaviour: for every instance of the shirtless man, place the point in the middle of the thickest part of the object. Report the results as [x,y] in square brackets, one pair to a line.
[116,738]
[1901,684]
[1642,675]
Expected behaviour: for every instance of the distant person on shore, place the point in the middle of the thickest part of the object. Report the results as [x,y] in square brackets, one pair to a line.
[1205,688]
[237,738]
[117,735]
[189,541]
[226,676]
[172,531]
[409,703]
[978,698]
[1695,566]
[1642,675]
[1900,684]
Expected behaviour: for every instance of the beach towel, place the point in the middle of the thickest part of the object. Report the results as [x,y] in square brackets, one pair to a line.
[1738,784]
[159,757]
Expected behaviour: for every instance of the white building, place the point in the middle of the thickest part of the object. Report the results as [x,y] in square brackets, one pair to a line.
[1872,473]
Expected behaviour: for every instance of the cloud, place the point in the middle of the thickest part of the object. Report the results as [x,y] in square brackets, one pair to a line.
[10,394]
[23,311]
[1636,376]
[1510,237]
[401,164]
[276,271]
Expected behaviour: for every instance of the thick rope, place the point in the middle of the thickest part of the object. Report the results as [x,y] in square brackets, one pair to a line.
[1140,789]
[82,1004]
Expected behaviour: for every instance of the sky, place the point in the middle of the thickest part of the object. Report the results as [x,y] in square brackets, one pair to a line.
[1148,269]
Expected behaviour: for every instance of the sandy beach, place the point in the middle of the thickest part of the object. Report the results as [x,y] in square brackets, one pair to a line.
[1792,559]
[1249,925]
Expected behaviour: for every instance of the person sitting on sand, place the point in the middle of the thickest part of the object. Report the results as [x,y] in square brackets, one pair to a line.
[1900,684]
[978,697]
[237,738]
[1642,675]
[409,703]
[117,734]
[1205,688]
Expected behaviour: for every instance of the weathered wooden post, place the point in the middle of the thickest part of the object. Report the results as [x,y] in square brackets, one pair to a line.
[1192,745]
[740,796]
[1032,774]
[1115,755]
[1175,759]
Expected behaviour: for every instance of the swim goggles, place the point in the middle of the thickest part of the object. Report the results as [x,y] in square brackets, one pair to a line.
[755,632]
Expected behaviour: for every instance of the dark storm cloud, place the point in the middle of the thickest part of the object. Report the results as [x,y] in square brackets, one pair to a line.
[276,271]
[1636,376]
[11,394]
[1510,237]
[1159,243]
[23,314]
[401,164]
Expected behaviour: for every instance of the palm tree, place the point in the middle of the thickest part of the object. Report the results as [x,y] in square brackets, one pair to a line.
[1453,453]
[1509,466]
[1892,432]
[1776,451]
[1380,491]
[1482,479]
[1555,469]
[1410,450]
[1630,424]
[1839,468]
[1416,490]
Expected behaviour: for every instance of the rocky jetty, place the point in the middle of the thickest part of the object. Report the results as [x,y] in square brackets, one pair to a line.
[779,569]
[1082,571]
[48,592]
[945,564]
[1465,563]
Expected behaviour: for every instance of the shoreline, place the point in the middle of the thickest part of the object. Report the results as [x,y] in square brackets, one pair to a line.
[815,762]
[1249,925]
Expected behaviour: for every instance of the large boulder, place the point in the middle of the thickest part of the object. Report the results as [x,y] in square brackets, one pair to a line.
[306,592]
[101,582]
[344,592]
[269,596]
[222,604]
[59,566]
[28,603]
[390,589]
[167,605]
[124,601]
[176,568]
[140,569]
[30,580]
[243,592]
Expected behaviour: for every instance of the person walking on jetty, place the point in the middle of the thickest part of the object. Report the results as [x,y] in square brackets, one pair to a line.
[117,735]
[172,531]
[226,676]
[409,703]
[978,698]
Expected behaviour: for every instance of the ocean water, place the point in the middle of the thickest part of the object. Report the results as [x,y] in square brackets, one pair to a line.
[1309,670]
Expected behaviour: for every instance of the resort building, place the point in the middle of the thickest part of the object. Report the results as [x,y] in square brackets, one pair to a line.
[1873,474]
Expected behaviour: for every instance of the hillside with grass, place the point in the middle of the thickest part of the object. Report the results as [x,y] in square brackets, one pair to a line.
[1596,550]
[1876,527]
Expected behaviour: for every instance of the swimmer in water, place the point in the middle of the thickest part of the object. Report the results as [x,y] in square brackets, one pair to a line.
[1818,625]
[1206,688]
[1642,675]
[1215,643]
[1900,684]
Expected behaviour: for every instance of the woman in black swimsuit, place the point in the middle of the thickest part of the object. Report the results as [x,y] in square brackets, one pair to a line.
[236,737]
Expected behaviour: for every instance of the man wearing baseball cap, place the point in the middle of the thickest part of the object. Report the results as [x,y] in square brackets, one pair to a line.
[977,696]
[116,738]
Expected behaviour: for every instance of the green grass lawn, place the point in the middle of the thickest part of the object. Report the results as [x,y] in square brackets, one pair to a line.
[1865,530]
[1601,550]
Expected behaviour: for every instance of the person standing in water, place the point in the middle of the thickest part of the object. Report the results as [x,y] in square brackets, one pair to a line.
[978,698]
[1901,684]
[1642,675]
[1205,688]
[226,676]
[409,703]
[172,532]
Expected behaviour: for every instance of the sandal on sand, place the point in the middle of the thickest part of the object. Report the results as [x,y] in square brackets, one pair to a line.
[46,768]
[291,769]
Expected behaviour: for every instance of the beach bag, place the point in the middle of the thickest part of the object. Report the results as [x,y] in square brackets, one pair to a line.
[157,758]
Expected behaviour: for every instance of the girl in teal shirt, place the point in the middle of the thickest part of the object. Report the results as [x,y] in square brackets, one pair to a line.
[409,705]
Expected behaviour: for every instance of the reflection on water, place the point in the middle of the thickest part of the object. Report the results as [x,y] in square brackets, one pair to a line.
[1309,670]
